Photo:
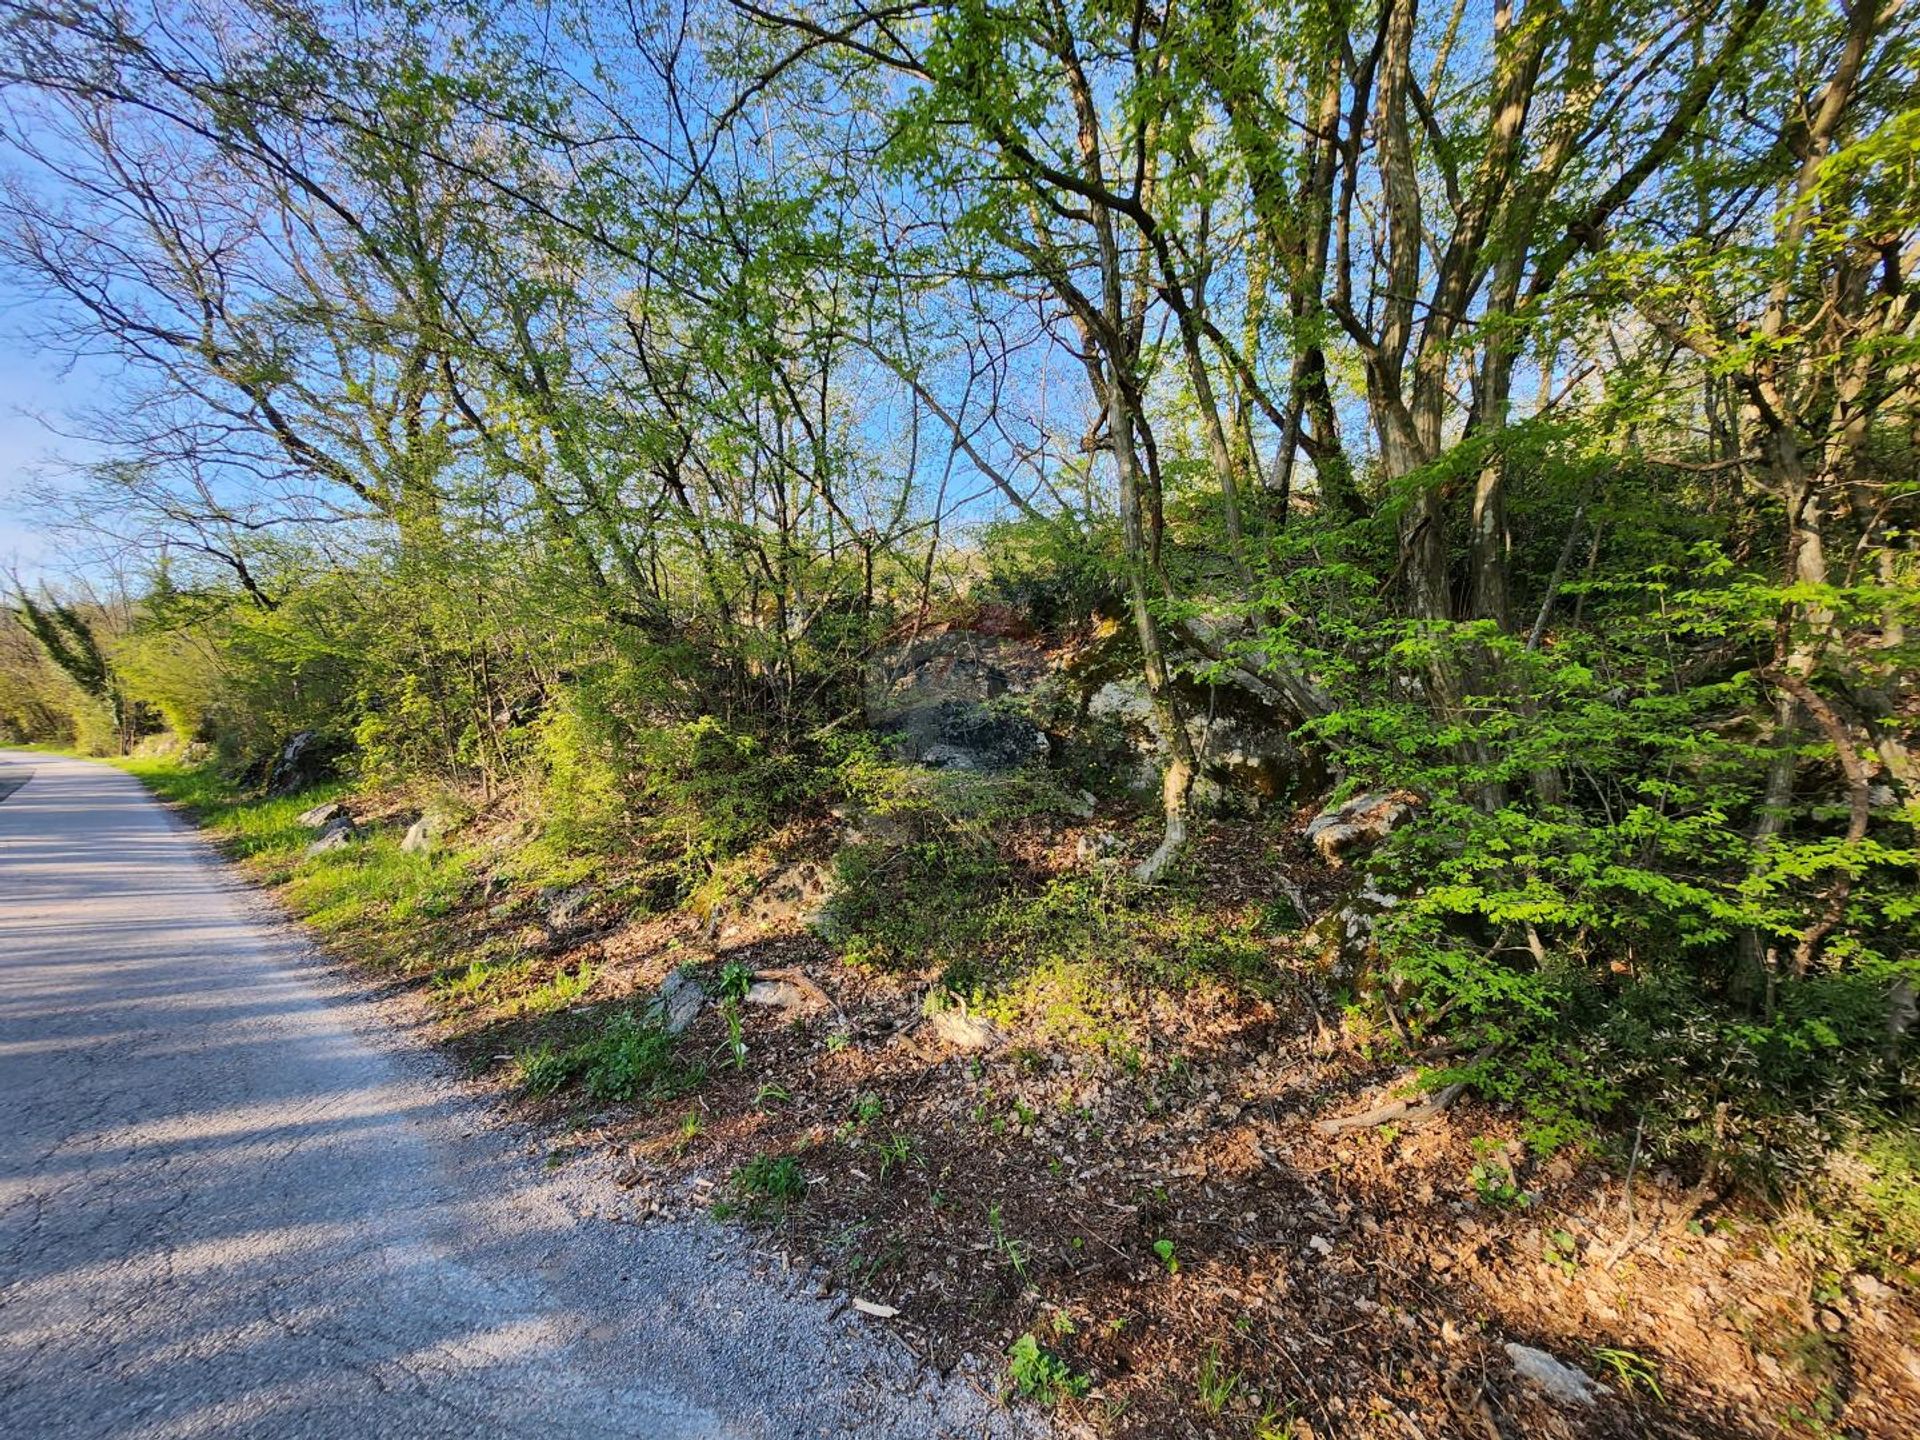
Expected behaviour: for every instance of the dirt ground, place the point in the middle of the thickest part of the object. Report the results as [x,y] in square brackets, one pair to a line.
[1167,1220]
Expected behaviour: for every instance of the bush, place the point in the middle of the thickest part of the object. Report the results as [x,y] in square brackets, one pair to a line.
[1614,943]
[1050,572]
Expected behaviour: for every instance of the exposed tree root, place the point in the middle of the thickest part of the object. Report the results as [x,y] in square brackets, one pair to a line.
[1410,1110]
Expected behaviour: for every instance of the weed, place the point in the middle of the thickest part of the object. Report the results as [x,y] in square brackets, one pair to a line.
[893,1152]
[691,1127]
[1014,1250]
[629,1059]
[543,1069]
[771,1094]
[735,980]
[480,977]
[735,1048]
[768,1184]
[633,1058]
[1040,1375]
[1560,1250]
[1633,1370]
[1493,1183]
[559,992]
[1164,1249]
[1217,1384]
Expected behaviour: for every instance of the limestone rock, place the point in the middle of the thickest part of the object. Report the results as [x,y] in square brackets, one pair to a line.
[565,904]
[336,834]
[1242,759]
[1557,1379]
[678,1002]
[792,896]
[301,761]
[789,992]
[321,815]
[961,1030]
[935,695]
[950,667]
[956,735]
[1097,847]
[1360,823]
[1345,935]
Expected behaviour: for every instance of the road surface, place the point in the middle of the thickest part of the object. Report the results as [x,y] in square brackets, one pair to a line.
[233,1202]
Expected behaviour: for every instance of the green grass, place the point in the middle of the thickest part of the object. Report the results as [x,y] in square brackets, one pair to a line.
[374,886]
[631,1058]
[768,1184]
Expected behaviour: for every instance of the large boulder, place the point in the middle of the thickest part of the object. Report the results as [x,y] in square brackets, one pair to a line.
[1346,937]
[1240,755]
[950,667]
[959,735]
[936,695]
[303,760]
[1358,825]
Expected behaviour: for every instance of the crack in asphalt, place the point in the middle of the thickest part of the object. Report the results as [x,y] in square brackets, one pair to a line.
[234,1202]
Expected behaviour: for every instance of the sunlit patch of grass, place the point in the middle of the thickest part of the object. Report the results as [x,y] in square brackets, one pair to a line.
[630,1058]
[481,979]
[373,883]
[559,992]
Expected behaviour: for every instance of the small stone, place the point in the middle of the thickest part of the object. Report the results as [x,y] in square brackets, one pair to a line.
[679,1002]
[319,815]
[1557,1379]
[337,835]
[1832,1322]
[564,905]
[961,1030]
[419,839]
[791,993]
[1868,1287]
[1096,847]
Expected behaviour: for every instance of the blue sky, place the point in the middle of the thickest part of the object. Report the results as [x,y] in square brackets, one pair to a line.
[29,392]
[33,395]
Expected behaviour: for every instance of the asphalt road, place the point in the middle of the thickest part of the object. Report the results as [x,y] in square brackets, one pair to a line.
[235,1202]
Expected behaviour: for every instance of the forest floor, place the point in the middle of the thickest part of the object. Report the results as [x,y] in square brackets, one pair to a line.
[1121,1190]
